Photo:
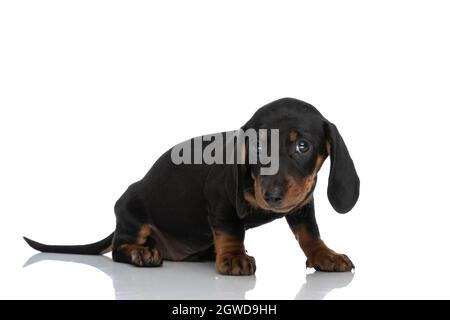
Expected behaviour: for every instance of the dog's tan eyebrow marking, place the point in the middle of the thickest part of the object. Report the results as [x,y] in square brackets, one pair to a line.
[293,135]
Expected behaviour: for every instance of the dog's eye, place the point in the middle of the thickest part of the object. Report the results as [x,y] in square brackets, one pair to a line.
[302,147]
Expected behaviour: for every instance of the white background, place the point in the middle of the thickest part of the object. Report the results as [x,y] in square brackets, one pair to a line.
[92,92]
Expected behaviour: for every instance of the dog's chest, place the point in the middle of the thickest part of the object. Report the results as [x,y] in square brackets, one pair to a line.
[259,217]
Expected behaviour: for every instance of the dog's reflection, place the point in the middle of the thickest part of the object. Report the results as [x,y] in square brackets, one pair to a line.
[188,280]
[319,284]
[175,280]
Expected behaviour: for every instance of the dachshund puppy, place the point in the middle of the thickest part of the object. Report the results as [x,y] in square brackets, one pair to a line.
[188,209]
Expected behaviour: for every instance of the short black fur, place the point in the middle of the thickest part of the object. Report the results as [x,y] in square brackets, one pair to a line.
[187,206]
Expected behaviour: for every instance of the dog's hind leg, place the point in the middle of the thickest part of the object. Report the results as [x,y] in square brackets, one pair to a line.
[133,242]
[139,250]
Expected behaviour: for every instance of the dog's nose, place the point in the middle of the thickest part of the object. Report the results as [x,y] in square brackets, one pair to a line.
[274,196]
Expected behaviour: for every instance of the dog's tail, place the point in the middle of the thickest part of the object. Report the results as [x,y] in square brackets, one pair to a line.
[100,247]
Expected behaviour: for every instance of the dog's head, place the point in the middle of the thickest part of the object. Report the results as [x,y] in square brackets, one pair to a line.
[305,139]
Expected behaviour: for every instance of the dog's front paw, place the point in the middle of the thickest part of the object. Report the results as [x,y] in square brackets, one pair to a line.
[325,259]
[236,265]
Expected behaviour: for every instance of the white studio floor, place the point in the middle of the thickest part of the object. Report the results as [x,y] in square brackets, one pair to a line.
[31,275]
[187,280]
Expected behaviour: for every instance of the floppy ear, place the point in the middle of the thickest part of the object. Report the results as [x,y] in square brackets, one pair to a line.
[242,178]
[343,183]
[242,183]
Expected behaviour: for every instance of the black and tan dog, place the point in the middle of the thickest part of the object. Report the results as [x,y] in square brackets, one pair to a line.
[197,212]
